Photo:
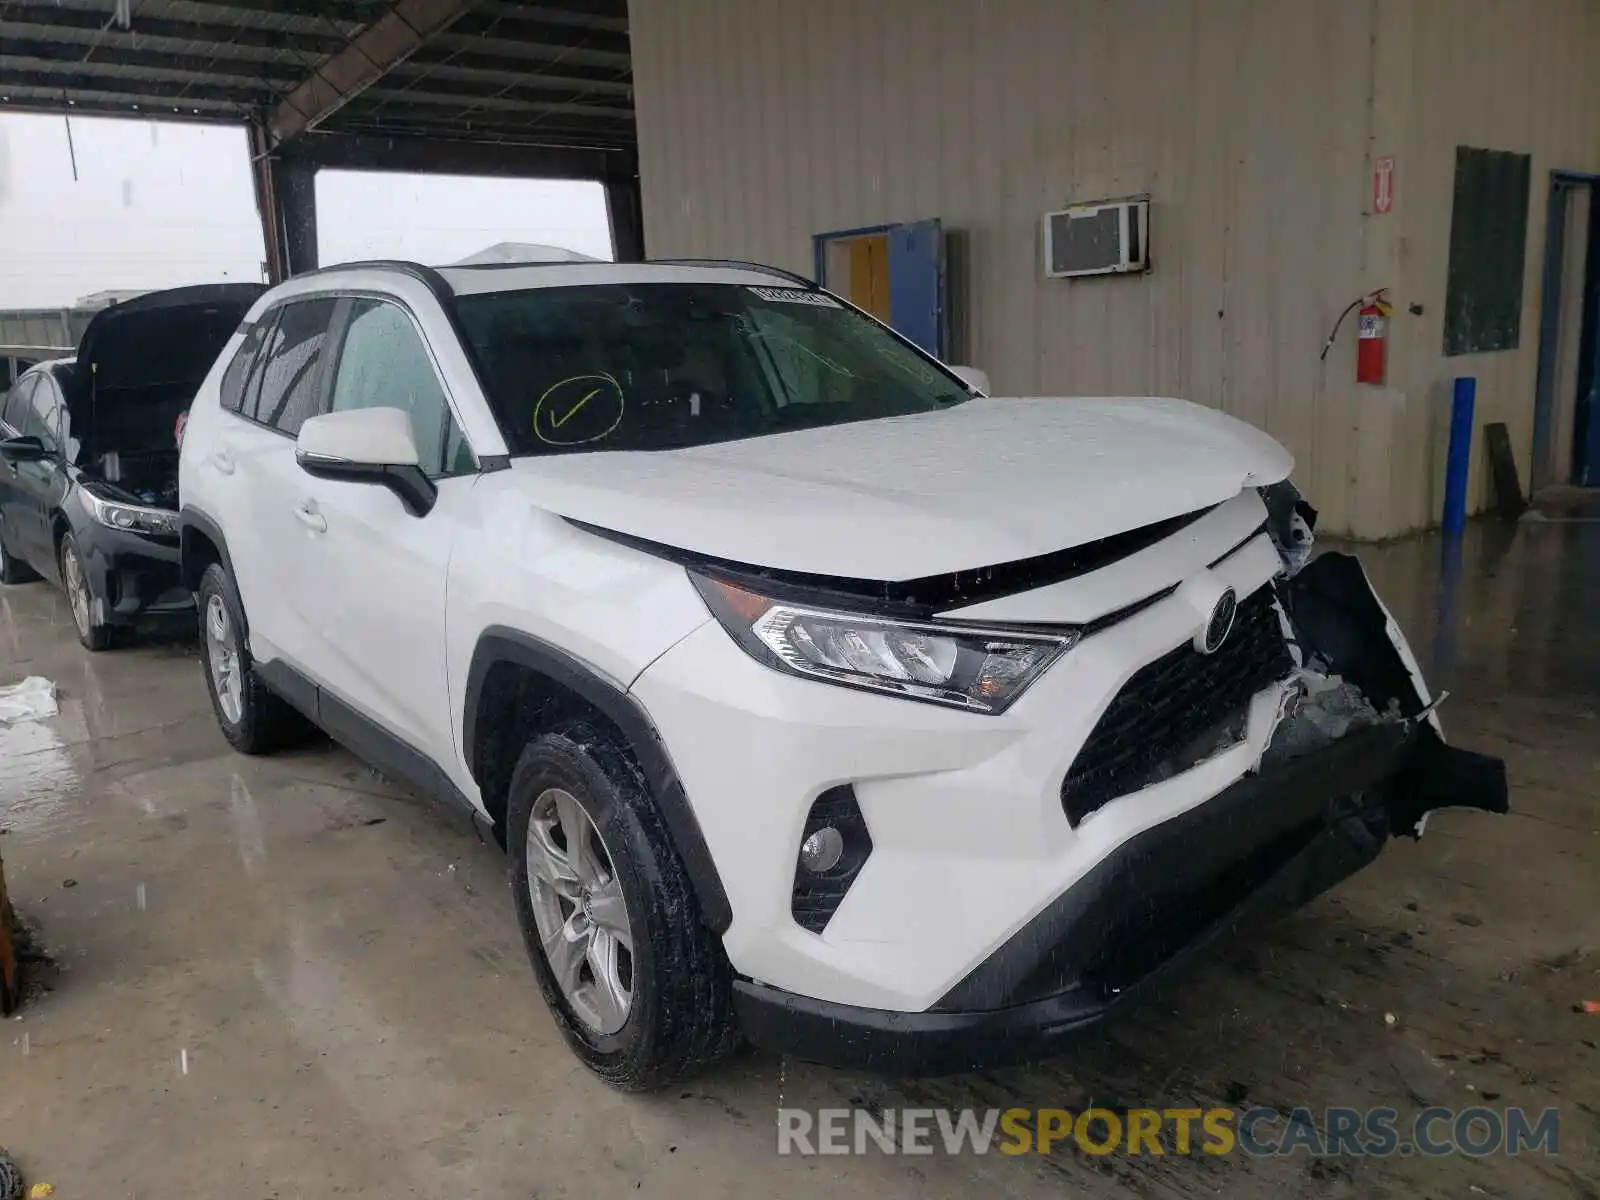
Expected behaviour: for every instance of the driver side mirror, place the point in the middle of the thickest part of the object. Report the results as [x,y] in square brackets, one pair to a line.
[977,380]
[367,445]
[23,449]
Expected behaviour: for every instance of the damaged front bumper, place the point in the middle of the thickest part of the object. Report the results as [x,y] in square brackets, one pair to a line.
[1263,846]
[1356,756]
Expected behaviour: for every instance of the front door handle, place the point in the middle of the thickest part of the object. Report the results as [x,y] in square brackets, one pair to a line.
[222,459]
[306,513]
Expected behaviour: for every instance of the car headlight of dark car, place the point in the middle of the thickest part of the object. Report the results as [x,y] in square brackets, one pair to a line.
[135,518]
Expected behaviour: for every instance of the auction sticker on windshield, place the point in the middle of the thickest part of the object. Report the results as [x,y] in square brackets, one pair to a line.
[796,296]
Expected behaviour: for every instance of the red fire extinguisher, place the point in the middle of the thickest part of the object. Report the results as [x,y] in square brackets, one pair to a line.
[1372,338]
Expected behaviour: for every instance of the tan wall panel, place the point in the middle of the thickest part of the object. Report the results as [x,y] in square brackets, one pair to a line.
[1251,123]
[1515,75]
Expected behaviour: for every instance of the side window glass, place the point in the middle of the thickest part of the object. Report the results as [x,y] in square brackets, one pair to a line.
[242,371]
[291,378]
[63,419]
[40,421]
[383,363]
[16,402]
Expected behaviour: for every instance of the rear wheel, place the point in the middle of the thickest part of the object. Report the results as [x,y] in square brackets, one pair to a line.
[253,719]
[639,986]
[80,596]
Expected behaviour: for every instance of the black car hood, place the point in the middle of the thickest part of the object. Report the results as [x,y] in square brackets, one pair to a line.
[140,362]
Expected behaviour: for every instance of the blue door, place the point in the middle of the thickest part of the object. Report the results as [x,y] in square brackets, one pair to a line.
[916,283]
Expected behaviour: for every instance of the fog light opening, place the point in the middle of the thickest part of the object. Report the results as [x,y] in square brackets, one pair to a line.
[822,850]
[834,846]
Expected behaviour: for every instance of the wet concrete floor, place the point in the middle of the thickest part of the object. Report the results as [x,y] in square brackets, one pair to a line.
[283,977]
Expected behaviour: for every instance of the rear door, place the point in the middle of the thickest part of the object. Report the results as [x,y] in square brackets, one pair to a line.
[252,474]
[13,407]
[39,486]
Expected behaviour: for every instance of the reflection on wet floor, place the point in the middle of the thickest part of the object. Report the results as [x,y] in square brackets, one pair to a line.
[284,976]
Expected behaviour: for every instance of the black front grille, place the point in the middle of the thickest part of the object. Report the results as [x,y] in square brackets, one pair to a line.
[1177,710]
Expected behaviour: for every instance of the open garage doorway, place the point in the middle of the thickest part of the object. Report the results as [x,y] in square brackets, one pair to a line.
[437,219]
[1566,428]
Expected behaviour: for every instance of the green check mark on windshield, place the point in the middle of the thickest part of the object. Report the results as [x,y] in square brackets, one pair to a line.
[558,422]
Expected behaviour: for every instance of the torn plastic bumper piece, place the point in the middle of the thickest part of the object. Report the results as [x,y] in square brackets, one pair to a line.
[1261,847]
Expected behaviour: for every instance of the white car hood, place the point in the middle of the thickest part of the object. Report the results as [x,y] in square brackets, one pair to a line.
[985,482]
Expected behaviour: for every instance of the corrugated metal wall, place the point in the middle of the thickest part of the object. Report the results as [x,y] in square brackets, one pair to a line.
[1251,122]
[1520,75]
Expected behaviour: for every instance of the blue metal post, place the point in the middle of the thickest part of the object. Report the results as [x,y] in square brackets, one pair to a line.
[1460,459]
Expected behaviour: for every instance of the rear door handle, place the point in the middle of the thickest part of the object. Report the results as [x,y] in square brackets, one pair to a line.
[306,513]
[222,459]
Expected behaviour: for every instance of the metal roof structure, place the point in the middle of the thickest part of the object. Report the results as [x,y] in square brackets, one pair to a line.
[553,74]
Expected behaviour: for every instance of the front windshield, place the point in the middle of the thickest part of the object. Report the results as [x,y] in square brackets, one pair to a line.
[660,366]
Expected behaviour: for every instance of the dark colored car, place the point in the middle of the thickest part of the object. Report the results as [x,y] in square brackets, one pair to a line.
[89,457]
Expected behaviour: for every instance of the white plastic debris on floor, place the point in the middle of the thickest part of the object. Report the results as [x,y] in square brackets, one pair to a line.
[33,699]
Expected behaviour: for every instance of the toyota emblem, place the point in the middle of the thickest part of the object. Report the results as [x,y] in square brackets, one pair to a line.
[1220,623]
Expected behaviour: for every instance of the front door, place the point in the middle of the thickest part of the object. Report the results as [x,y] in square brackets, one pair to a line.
[375,573]
[13,491]
[36,487]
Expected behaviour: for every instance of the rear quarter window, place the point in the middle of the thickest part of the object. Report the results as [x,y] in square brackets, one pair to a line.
[239,379]
[291,375]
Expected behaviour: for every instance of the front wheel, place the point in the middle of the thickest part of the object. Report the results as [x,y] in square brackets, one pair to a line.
[80,596]
[639,986]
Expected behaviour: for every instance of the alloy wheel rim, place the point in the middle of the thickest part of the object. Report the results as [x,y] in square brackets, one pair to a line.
[580,912]
[77,589]
[222,652]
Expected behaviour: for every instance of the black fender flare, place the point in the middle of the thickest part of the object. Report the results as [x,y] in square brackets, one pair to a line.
[499,644]
[191,518]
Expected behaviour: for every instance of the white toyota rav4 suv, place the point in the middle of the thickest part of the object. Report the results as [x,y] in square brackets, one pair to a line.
[816,697]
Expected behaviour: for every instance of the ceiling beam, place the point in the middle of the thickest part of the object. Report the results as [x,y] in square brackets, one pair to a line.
[482,69]
[354,13]
[152,65]
[509,98]
[32,98]
[74,89]
[442,154]
[49,21]
[346,74]
[564,12]
[608,45]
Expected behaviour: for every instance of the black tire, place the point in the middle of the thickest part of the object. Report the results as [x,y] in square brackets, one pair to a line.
[681,1014]
[94,636]
[266,721]
[10,1178]
[13,570]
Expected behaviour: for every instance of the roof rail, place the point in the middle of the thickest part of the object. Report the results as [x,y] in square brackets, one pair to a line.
[779,272]
[428,275]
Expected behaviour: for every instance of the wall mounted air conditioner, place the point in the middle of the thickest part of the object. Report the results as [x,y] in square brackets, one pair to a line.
[1108,237]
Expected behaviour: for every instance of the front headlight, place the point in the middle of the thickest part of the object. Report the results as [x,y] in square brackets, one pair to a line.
[981,670]
[135,518]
